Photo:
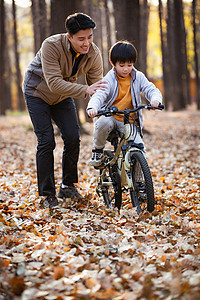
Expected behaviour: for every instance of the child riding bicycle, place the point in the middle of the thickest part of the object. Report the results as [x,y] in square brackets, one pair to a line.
[124,86]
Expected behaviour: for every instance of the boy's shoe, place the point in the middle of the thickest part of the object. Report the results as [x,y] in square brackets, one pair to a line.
[50,201]
[97,157]
[69,192]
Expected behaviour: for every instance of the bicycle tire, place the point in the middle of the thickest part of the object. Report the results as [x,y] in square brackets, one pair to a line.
[112,192]
[142,196]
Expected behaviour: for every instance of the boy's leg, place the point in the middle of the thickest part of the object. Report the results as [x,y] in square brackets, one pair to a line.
[102,127]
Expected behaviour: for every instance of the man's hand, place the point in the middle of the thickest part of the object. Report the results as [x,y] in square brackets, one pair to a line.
[101,85]
[92,112]
[154,103]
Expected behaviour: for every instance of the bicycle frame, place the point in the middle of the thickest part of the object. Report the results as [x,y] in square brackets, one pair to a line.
[123,161]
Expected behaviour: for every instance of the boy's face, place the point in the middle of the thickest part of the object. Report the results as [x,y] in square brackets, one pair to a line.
[82,40]
[123,69]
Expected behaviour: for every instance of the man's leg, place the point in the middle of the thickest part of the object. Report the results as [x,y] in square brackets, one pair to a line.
[40,113]
[65,116]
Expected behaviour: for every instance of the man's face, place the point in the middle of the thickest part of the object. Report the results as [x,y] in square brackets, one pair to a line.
[82,40]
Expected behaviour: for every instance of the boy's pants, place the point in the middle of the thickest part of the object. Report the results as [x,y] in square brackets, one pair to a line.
[104,125]
[65,116]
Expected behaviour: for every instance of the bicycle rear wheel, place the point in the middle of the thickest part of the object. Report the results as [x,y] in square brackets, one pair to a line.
[111,191]
[142,195]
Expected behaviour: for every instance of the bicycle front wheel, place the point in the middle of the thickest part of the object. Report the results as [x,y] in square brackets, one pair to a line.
[142,194]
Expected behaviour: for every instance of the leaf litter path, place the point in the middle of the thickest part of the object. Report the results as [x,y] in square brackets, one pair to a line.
[84,251]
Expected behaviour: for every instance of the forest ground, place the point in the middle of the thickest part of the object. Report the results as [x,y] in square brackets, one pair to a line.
[83,250]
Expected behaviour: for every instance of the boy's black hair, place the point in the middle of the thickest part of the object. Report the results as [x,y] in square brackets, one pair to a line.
[78,21]
[123,51]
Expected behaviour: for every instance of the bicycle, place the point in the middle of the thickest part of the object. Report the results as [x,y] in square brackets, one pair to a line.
[125,167]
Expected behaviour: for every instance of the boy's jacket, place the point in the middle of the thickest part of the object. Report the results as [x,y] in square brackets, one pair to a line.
[139,84]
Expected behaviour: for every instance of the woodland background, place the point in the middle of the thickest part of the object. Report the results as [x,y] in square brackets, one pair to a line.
[81,250]
[165,33]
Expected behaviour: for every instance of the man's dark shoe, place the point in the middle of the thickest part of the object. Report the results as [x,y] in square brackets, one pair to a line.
[50,201]
[69,192]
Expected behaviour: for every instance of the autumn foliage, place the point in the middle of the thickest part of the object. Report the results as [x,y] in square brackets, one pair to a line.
[81,250]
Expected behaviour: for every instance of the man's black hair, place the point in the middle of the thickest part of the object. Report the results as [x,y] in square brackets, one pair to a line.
[123,51]
[78,21]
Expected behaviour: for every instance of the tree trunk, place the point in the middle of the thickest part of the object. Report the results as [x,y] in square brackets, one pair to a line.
[39,17]
[197,79]
[165,61]
[43,20]
[128,22]
[35,18]
[59,12]
[108,27]
[181,55]
[2,59]
[144,20]
[173,86]
[21,102]
[120,19]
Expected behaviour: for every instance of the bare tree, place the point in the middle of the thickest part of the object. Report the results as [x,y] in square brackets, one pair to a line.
[131,19]
[197,79]
[120,19]
[39,17]
[144,21]
[43,24]
[107,15]
[181,55]
[18,77]
[176,46]
[2,60]
[59,11]
[165,58]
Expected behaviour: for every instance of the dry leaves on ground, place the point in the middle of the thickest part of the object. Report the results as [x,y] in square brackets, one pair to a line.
[83,250]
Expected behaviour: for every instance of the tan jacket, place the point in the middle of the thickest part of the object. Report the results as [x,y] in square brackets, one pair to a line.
[49,74]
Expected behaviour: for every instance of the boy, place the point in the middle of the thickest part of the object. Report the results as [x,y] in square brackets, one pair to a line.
[124,85]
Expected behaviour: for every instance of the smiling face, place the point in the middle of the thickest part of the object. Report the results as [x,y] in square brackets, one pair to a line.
[123,69]
[82,40]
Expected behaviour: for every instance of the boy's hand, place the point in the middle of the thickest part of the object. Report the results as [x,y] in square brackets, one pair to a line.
[154,103]
[99,85]
[92,112]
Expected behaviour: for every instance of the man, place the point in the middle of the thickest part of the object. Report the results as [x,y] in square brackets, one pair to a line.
[49,85]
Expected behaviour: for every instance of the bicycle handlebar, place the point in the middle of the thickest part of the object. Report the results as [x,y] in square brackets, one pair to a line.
[114,110]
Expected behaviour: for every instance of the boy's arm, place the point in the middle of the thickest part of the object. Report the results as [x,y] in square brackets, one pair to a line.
[154,103]
[152,93]
[92,112]
[98,100]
